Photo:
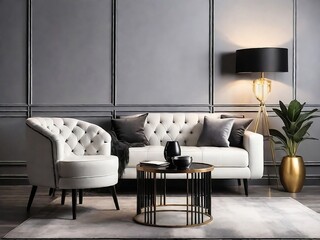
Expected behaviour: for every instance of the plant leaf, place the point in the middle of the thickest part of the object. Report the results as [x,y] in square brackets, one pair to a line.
[306,116]
[294,110]
[275,133]
[310,138]
[298,136]
[283,108]
[283,117]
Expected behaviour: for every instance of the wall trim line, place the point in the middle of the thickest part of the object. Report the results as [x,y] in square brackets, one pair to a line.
[211,55]
[294,50]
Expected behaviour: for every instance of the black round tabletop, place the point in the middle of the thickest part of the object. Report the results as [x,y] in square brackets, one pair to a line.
[195,167]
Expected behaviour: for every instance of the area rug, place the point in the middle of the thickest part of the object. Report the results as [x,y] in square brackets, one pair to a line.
[233,217]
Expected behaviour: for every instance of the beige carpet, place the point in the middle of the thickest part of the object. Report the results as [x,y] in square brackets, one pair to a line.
[234,217]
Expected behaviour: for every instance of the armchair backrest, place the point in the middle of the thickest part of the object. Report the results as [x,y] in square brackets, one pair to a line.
[79,137]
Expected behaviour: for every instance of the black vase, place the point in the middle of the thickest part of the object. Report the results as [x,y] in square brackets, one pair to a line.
[171,150]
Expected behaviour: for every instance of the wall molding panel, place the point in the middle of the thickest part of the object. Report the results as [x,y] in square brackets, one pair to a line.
[98,59]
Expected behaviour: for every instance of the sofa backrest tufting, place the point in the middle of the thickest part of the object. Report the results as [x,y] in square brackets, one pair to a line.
[182,127]
[78,137]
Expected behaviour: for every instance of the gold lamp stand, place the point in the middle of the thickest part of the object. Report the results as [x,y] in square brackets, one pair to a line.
[262,89]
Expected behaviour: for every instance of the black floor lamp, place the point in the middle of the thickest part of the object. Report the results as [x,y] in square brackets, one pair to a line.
[262,60]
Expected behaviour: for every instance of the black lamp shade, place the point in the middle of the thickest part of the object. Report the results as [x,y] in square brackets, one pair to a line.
[262,60]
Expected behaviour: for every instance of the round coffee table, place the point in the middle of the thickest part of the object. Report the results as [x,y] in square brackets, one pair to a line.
[152,206]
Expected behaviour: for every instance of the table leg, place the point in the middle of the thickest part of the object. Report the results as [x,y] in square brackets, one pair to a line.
[154,198]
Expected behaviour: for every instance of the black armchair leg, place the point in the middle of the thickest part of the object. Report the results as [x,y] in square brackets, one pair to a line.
[245,183]
[50,191]
[114,195]
[63,196]
[74,203]
[32,194]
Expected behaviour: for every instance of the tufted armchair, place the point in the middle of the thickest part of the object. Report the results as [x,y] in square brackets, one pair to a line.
[66,153]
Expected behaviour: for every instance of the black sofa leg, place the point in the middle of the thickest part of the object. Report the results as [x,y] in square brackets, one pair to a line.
[31,197]
[80,196]
[114,195]
[245,183]
[74,203]
[239,182]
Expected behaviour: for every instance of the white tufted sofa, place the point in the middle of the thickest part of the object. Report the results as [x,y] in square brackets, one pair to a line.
[229,162]
[66,153]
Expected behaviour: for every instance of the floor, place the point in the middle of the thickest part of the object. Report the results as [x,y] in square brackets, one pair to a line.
[13,199]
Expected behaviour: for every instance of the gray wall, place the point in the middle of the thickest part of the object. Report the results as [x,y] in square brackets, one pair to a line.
[94,59]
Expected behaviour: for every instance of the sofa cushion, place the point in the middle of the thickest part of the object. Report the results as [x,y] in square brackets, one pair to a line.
[237,131]
[138,154]
[225,157]
[217,156]
[215,132]
[131,129]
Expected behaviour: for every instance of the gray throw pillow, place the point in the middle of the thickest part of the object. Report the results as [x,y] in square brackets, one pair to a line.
[215,132]
[237,131]
[131,129]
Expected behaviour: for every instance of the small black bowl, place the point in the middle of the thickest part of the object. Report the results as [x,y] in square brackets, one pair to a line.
[182,162]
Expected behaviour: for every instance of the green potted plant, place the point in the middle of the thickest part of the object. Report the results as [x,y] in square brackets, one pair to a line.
[295,130]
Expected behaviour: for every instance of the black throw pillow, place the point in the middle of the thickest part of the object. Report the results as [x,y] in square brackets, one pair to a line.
[232,116]
[131,129]
[215,132]
[237,131]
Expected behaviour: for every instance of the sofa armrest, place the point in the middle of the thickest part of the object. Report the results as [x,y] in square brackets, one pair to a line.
[253,143]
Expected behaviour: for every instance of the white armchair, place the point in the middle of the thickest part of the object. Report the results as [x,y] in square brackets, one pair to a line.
[66,153]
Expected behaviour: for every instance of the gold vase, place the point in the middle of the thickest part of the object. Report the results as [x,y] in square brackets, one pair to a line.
[292,173]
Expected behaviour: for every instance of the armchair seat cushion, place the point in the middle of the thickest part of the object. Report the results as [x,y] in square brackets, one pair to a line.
[87,166]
